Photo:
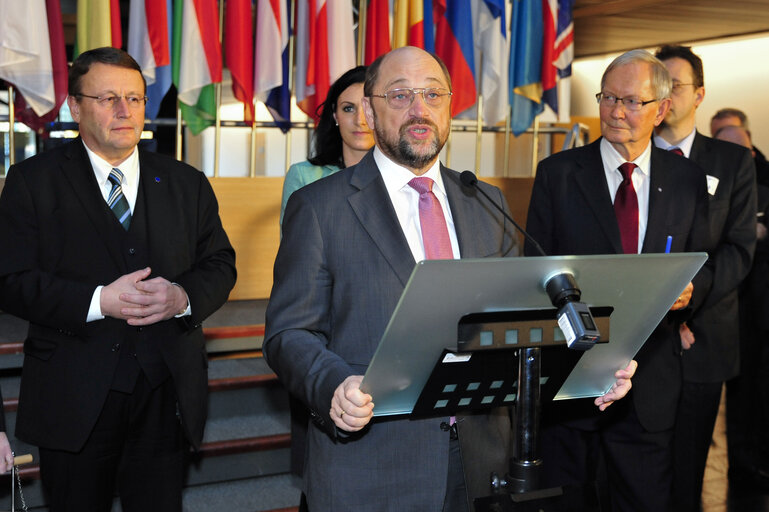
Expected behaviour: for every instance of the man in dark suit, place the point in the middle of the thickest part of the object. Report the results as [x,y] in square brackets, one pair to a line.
[711,337]
[350,243]
[115,256]
[622,195]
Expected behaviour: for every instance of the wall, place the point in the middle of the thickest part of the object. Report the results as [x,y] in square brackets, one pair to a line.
[736,75]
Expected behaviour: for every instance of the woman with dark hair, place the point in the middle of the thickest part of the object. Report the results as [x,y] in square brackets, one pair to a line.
[341,137]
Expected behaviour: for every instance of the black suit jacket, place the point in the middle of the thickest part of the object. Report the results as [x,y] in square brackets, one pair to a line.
[714,357]
[342,265]
[59,245]
[571,213]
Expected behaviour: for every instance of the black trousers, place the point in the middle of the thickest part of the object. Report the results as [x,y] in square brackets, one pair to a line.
[136,445]
[697,412]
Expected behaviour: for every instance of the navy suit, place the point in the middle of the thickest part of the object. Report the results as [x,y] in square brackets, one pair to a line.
[571,213]
[342,265]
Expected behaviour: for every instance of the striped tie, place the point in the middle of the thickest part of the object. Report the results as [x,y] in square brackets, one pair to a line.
[117,201]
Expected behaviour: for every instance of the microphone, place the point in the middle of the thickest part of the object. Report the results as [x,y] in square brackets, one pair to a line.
[574,317]
[468,179]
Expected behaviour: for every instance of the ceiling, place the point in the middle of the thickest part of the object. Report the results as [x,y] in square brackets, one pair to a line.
[602,27]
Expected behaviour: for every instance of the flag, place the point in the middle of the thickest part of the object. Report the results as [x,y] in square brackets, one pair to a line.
[525,72]
[377,30]
[271,60]
[429,26]
[149,43]
[98,24]
[325,49]
[408,23]
[557,53]
[454,44]
[33,59]
[196,61]
[239,50]
[492,45]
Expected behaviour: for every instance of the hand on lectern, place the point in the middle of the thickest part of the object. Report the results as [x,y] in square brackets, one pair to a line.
[351,409]
[620,388]
[683,300]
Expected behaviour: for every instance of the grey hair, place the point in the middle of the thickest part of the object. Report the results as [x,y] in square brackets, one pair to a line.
[661,82]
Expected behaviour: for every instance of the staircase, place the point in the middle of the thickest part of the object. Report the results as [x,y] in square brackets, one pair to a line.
[243,463]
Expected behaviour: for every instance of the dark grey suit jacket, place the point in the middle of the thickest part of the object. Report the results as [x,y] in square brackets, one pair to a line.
[714,357]
[59,244]
[341,267]
[571,213]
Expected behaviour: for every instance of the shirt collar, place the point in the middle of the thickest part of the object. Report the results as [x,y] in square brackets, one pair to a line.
[612,159]
[101,168]
[396,176]
[685,145]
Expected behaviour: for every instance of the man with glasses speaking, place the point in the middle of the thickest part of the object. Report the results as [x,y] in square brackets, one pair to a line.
[619,195]
[350,243]
[115,256]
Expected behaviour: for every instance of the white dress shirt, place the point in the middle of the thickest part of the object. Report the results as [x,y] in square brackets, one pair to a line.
[641,176]
[405,200]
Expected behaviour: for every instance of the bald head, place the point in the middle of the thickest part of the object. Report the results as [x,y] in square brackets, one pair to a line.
[736,135]
[397,56]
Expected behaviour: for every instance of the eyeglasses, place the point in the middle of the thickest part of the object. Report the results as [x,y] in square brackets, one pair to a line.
[609,100]
[677,86]
[112,100]
[404,97]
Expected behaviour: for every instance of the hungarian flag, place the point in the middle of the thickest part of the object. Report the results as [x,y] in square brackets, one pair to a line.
[271,60]
[325,49]
[98,24]
[149,43]
[377,30]
[33,59]
[196,61]
[454,45]
[239,52]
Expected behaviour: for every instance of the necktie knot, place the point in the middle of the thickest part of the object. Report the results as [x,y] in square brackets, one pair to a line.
[423,185]
[626,170]
[115,176]
[676,150]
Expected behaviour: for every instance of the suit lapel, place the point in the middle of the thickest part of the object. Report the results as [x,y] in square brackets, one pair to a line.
[77,169]
[700,149]
[376,214]
[159,210]
[591,181]
[659,188]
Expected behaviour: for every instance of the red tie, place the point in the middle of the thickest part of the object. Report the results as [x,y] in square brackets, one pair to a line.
[626,210]
[676,150]
[435,234]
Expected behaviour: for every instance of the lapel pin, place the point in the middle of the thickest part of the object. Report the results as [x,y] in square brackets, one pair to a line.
[659,189]
[157,179]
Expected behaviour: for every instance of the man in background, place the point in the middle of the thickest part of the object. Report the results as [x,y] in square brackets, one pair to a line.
[115,256]
[710,337]
[734,117]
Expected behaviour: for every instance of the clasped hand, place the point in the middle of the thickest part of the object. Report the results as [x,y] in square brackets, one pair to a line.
[141,301]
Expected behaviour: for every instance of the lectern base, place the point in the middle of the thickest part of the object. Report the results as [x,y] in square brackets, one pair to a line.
[557,499]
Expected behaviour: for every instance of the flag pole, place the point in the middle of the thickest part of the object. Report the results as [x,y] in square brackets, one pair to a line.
[507,141]
[535,146]
[11,128]
[291,41]
[478,134]
[178,130]
[252,155]
[362,12]
[218,94]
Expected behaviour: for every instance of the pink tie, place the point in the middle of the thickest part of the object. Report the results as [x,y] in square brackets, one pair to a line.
[435,234]
[626,210]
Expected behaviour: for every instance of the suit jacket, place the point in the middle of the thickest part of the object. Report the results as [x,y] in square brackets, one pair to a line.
[571,213]
[59,244]
[340,270]
[714,357]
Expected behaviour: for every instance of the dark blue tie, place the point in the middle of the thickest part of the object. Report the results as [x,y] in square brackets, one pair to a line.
[117,201]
